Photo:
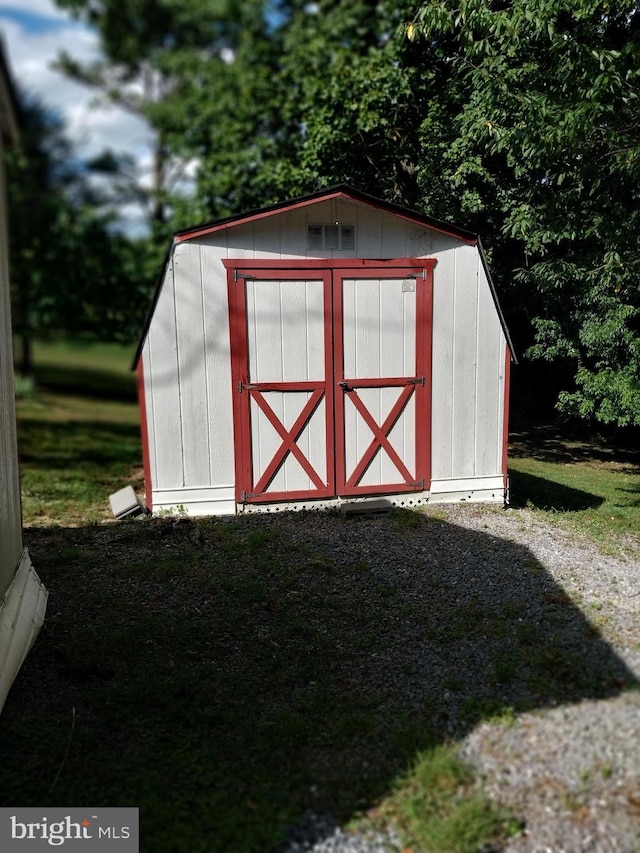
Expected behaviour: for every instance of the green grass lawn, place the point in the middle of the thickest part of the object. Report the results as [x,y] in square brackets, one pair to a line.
[79,434]
[99,370]
[588,487]
[207,672]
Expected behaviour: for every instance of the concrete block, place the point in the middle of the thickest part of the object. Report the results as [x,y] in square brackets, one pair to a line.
[125,503]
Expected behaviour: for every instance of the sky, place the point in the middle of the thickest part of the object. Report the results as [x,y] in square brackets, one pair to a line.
[34,32]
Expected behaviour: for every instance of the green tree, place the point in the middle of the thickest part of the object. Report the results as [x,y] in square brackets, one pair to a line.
[551,122]
[355,94]
[71,272]
[317,94]
[224,115]
[516,118]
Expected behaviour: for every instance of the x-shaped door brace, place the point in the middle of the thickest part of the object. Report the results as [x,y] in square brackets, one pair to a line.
[380,435]
[289,438]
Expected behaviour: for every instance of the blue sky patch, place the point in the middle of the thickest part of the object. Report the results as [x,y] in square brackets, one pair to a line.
[33,23]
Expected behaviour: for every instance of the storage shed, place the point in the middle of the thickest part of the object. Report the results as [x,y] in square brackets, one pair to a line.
[23,598]
[330,348]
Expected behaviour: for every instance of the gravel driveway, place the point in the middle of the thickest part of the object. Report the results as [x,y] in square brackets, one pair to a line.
[568,761]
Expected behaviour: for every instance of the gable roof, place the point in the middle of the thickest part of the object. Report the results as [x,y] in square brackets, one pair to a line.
[342,191]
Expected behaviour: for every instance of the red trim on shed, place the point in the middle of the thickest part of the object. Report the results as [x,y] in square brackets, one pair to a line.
[237,309]
[144,433]
[401,264]
[424,357]
[252,487]
[505,418]
[329,394]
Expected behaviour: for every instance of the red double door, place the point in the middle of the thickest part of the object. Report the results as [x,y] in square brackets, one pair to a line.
[331,378]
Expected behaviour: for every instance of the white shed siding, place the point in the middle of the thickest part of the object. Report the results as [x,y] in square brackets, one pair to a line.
[491,345]
[23,597]
[218,370]
[188,384]
[192,373]
[161,361]
[465,377]
[10,513]
[368,231]
[188,377]
[468,367]
[22,613]
[187,358]
[240,242]
[443,347]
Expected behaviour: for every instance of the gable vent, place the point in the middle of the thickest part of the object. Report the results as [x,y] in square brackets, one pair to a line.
[326,237]
[332,237]
[347,237]
[315,237]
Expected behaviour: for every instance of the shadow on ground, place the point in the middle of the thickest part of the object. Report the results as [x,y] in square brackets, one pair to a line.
[87,382]
[228,674]
[529,490]
[550,443]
